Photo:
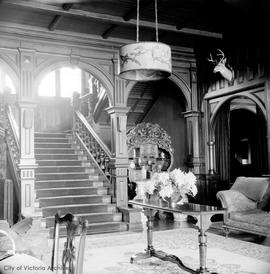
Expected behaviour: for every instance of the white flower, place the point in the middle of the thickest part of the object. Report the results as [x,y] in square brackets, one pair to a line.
[149,188]
[178,177]
[191,182]
[164,178]
[172,184]
[166,191]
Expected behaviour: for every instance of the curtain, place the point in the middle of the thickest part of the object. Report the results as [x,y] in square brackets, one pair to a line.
[259,145]
[222,143]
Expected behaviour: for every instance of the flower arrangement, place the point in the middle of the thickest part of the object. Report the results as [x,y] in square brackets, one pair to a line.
[175,185]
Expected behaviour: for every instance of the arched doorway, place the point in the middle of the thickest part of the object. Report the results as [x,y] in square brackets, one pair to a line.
[248,143]
[54,96]
[163,103]
[239,131]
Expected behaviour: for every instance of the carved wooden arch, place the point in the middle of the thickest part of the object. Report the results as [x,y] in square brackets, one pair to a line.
[176,79]
[92,68]
[149,133]
[229,98]
[11,70]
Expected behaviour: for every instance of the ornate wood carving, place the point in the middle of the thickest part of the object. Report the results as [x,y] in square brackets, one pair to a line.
[148,133]
[92,143]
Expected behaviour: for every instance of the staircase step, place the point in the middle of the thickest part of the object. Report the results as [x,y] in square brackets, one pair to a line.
[60,163]
[74,199]
[69,183]
[77,209]
[65,169]
[50,135]
[51,140]
[62,176]
[91,218]
[52,145]
[54,151]
[59,156]
[98,228]
[56,192]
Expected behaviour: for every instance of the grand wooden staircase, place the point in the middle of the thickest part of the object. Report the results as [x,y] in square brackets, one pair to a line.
[67,181]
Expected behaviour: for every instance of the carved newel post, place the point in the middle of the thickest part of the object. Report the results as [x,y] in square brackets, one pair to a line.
[119,148]
[27,105]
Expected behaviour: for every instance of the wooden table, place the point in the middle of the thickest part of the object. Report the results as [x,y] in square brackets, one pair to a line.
[202,213]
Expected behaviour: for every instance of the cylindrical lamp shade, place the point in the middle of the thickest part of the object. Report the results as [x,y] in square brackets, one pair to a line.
[145,61]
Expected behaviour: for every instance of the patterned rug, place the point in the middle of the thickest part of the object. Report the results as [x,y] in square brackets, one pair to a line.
[110,254]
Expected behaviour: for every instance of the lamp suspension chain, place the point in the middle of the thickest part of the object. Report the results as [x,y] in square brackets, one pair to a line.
[138,20]
[156,20]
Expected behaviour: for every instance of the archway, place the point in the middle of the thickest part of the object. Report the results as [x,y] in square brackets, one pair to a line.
[93,69]
[55,90]
[9,70]
[248,143]
[161,103]
[183,89]
[238,127]
[9,87]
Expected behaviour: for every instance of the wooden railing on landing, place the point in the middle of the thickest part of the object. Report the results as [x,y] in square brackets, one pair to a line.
[12,140]
[95,148]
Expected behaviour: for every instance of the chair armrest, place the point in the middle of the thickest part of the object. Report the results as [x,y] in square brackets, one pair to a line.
[234,200]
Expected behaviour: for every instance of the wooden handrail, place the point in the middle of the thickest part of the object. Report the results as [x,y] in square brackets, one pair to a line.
[13,124]
[91,156]
[99,153]
[93,133]
[14,174]
[12,140]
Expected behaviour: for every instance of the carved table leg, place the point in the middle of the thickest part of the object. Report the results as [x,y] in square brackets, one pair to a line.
[202,250]
[151,252]
[204,223]
[173,259]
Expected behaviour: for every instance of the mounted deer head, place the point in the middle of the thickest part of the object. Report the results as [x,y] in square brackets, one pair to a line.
[220,66]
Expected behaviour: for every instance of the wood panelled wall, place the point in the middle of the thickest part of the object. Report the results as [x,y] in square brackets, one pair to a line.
[53,114]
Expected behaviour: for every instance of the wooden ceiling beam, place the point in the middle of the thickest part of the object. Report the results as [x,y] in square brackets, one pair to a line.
[108,31]
[126,17]
[52,26]
[107,18]
[143,5]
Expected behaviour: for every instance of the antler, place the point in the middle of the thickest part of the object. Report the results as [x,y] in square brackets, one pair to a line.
[221,54]
[211,59]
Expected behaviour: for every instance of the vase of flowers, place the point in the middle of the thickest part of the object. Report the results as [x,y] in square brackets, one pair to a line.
[172,187]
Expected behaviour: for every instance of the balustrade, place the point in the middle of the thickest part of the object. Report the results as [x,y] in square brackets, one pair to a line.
[95,148]
[10,132]
[12,139]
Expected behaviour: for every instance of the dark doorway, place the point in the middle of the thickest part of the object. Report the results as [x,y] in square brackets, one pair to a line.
[248,144]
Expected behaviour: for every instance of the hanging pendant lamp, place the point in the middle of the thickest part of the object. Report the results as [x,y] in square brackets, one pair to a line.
[145,61]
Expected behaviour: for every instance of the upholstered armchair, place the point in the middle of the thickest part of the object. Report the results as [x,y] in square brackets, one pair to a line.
[248,204]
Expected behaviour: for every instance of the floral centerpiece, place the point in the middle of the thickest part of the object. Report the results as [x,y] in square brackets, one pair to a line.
[175,186]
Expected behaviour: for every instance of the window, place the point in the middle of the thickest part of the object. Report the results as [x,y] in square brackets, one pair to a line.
[64,81]
[6,83]
[47,85]
[70,81]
